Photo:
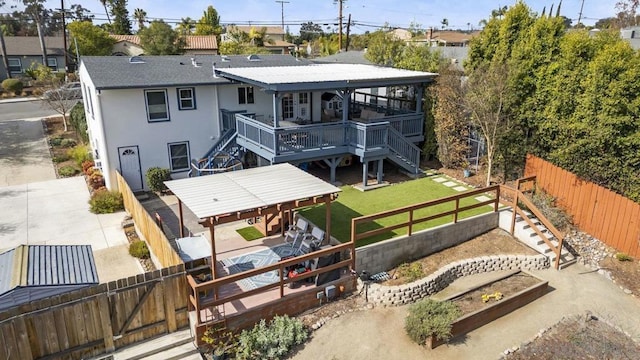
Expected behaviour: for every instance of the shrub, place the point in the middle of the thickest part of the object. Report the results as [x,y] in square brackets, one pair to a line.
[219,342]
[411,271]
[68,143]
[623,257]
[13,86]
[87,167]
[60,158]
[67,171]
[56,141]
[96,180]
[78,120]
[429,317]
[271,341]
[104,201]
[139,250]
[80,154]
[546,204]
[156,176]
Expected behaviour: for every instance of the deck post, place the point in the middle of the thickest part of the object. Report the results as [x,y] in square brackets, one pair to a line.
[419,98]
[213,248]
[276,99]
[365,169]
[181,218]
[380,171]
[346,100]
[327,215]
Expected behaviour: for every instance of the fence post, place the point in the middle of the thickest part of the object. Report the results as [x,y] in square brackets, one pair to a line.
[105,322]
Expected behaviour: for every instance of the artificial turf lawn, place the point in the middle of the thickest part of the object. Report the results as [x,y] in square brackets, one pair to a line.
[250,233]
[352,203]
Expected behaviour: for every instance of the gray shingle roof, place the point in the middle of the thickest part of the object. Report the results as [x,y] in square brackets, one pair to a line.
[116,72]
[30,45]
[345,57]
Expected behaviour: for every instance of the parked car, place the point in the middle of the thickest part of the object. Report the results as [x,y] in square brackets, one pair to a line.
[68,91]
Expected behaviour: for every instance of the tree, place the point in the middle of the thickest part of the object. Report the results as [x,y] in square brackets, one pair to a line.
[384,49]
[627,12]
[121,24]
[160,39]
[485,97]
[209,23]
[92,40]
[54,99]
[258,36]
[140,16]
[310,31]
[450,118]
[36,9]
[186,26]
[445,23]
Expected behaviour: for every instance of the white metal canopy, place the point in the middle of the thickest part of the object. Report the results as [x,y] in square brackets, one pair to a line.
[249,189]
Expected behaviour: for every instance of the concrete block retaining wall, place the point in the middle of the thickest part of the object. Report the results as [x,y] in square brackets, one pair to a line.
[388,254]
[412,292]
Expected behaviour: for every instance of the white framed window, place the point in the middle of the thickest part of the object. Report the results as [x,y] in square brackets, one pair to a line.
[179,156]
[303,98]
[157,105]
[186,98]
[15,66]
[245,95]
[52,63]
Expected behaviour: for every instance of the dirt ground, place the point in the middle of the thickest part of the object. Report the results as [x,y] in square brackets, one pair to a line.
[472,301]
[54,128]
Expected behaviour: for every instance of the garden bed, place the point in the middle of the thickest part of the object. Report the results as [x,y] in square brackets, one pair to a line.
[516,288]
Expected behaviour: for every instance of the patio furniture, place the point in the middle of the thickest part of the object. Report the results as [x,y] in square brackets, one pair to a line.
[296,232]
[313,239]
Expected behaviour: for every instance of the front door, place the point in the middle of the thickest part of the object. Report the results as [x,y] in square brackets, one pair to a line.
[130,166]
[287,108]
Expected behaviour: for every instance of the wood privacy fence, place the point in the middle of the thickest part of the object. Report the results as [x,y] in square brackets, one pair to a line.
[596,210]
[147,225]
[96,320]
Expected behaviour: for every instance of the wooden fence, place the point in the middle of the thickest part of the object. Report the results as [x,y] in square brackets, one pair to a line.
[610,217]
[147,225]
[96,320]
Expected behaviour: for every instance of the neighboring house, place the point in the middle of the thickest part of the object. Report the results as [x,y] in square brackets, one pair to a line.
[632,36]
[166,111]
[33,272]
[129,45]
[274,37]
[445,38]
[23,51]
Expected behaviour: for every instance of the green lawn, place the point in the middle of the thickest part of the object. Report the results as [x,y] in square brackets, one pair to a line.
[250,233]
[353,203]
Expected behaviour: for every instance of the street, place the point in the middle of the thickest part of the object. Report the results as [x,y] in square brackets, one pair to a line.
[23,110]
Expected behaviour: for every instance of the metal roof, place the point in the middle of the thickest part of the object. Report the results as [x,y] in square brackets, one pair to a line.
[47,265]
[116,72]
[248,189]
[325,76]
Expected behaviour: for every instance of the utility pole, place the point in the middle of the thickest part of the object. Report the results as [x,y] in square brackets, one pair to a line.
[346,47]
[64,37]
[282,10]
[340,27]
[580,15]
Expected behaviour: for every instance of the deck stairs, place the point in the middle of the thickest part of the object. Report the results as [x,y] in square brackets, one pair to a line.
[224,155]
[403,152]
[174,346]
[526,234]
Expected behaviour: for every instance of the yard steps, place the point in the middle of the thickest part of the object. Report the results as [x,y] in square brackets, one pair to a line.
[524,233]
[177,345]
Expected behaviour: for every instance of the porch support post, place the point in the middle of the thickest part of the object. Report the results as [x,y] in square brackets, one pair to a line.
[276,100]
[181,218]
[213,248]
[333,165]
[380,170]
[365,169]
[346,104]
[327,230]
[419,96]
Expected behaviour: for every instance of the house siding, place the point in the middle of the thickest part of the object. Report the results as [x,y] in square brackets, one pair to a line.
[27,60]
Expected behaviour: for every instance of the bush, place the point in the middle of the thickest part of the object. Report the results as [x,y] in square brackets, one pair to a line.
[68,143]
[96,180]
[87,167]
[67,171]
[429,317]
[56,141]
[155,178]
[139,250]
[623,257]
[78,120]
[411,271]
[13,86]
[546,204]
[60,158]
[80,154]
[271,341]
[104,201]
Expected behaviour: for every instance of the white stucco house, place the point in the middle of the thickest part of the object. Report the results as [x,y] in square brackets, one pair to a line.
[179,112]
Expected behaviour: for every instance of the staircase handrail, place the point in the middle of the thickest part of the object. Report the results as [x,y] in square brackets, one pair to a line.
[402,146]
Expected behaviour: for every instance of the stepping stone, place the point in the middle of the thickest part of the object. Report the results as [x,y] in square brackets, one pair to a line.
[483,198]
[439,179]
[460,188]
[450,183]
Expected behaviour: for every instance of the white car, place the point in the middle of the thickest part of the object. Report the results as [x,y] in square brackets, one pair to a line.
[68,91]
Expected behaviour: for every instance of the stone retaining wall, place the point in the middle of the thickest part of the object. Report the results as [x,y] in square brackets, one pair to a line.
[412,292]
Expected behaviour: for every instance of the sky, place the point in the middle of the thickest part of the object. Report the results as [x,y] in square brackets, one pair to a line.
[366,14]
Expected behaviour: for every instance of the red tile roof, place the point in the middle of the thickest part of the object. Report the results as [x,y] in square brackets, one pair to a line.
[194,42]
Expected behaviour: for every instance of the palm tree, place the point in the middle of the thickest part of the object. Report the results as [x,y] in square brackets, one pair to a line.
[104,3]
[140,16]
[186,26]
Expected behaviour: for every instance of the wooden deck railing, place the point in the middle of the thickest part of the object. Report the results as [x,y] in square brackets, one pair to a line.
[206,294]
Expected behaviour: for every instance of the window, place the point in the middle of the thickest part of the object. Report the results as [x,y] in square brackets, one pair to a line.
[303,98]
[52,63]
[157,105]
[245,95]
[179,156]
[186,98]
[14,66]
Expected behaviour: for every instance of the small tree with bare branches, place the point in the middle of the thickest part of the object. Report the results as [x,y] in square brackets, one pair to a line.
[53,97]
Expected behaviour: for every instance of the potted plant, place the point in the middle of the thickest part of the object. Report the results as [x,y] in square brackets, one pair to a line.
[220,342]
[466,171]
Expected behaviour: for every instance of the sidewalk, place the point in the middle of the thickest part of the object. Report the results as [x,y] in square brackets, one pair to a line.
[19,99]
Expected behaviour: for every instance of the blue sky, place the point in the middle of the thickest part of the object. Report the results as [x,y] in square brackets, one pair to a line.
[372,12]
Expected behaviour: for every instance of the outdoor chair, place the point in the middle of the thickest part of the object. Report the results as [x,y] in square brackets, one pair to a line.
[296,232]
[313,239]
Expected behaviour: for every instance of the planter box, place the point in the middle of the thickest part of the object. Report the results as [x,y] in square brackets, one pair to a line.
[478,318]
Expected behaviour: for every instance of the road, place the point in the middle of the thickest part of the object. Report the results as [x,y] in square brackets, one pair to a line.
[24,154]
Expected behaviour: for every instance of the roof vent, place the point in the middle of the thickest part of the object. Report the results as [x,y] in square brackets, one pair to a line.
[136,60]
[195,63]
[225,58]
[254,57]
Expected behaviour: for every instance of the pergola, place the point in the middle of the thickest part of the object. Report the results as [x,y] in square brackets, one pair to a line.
[238,195]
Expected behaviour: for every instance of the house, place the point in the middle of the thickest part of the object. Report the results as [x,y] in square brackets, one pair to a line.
[33,272]
[23,51]
[400,34]
[129,45]
[445,38]
[632,36]
[178,113]
[273,41]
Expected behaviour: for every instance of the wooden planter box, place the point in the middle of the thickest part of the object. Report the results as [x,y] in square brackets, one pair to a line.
[476,319]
